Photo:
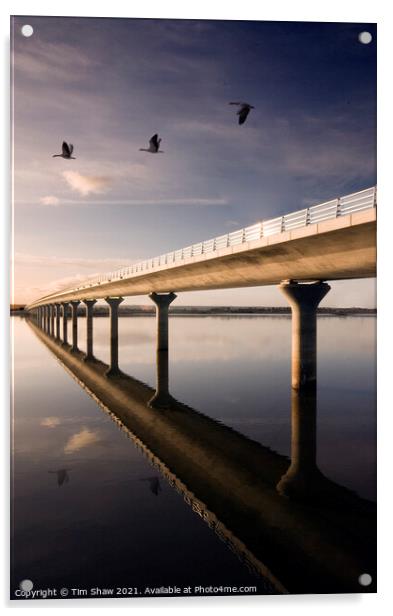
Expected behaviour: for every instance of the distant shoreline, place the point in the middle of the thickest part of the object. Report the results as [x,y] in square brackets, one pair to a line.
[209,311]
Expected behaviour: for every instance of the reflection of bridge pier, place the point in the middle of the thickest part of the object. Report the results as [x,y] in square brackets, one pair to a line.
[162,399]
[303,478]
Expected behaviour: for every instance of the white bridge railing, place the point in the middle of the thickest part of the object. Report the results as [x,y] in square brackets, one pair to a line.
[342,206]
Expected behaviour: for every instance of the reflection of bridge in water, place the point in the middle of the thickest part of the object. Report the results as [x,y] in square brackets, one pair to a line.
[301,531]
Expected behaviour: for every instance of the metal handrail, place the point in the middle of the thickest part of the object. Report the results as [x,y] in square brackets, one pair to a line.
[342,206]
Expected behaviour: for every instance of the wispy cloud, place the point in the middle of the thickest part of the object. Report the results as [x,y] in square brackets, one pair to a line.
[186,201]
[86,184]
[33,292]
[50,422]
[50,200]
[82,439]
[22,258]
[44,61]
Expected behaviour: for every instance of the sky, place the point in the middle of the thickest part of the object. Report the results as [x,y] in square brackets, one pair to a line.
[107,85]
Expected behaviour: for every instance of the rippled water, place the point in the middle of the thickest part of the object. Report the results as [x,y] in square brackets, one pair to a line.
[90,509]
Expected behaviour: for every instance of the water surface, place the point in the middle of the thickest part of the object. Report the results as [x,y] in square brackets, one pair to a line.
[88,504]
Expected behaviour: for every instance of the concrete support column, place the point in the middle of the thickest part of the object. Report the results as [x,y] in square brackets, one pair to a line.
[304,300]
[162,302]
[162,398]
[74,306]
[303,479]
[47,319]
[114,303]
[40,316]
[52,319]
[57,306]
[89,328]
[65,322]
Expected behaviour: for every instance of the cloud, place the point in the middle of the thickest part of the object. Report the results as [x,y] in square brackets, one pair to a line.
[186,201]
[49,200]
[182,201]
[68,282]
[35,292]
[22,258]
[82,439]
[50,422]
[58,61]
[86,184]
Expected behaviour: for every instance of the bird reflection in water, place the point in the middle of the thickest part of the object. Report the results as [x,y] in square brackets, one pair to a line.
[154,484]
[62,476]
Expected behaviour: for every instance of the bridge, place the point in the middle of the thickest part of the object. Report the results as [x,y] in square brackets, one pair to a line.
[334,240]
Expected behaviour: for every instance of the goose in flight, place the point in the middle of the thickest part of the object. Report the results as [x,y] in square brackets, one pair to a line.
[154,146]
[243,112]
[66,151]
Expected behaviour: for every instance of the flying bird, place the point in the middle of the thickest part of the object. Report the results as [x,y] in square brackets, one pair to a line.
[66,151]
[154,146]
[243,112]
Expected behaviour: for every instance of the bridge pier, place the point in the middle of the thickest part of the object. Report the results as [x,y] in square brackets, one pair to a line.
[304,300]
[114,303]
[52,319]
[303,478]
[40,316]
[47,319]
[74,307]
[89,303]
[162,302]
[65,323]
[57,307]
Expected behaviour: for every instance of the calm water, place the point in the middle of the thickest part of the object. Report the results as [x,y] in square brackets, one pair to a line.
[90,510]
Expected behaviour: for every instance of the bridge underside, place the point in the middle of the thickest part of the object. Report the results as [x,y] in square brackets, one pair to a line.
[333,250]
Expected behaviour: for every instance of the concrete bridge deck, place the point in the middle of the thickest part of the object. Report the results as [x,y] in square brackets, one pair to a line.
[331,241]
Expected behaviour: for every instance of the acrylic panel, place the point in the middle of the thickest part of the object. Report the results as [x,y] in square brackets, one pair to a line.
[193,308]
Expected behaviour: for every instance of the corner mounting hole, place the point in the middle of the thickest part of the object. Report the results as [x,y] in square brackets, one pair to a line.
[365,579]
[26,585]
[27,30]
[365,38]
